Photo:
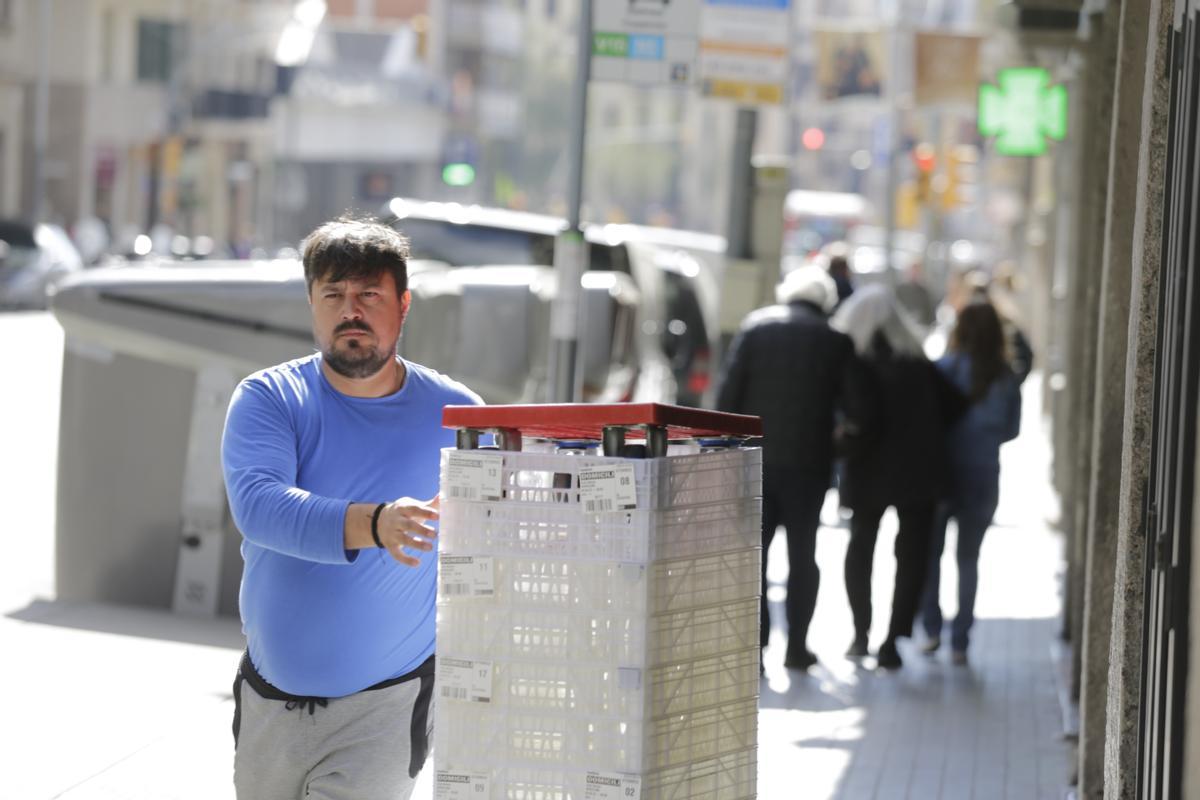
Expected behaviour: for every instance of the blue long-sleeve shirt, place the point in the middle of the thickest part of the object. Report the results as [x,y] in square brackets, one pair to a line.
[975,440]
[320,620]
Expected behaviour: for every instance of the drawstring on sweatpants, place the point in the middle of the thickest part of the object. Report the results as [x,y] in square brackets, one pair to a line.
[310,702]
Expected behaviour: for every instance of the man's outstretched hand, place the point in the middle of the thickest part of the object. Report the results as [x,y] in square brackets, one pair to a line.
[405,523]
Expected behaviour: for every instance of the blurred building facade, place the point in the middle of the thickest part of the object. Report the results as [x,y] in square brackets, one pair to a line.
[183,114]
[157,110]
[361,119]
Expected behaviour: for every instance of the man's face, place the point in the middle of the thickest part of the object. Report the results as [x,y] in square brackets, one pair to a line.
[357,323]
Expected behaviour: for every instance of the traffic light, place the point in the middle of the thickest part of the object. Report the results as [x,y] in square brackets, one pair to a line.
[458,174]
[460,154]
[961,163]
[925,159]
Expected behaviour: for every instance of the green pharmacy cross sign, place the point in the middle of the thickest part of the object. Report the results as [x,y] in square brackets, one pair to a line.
[1023,111]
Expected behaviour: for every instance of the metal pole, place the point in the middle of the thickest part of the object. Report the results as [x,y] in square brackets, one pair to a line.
[893,178]
[737,221]
[737,227]
[41,111]
[570,250]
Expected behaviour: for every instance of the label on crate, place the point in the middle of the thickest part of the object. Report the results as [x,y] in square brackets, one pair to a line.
[608,488]
[467,576]
[459,679]
[460,786]
[474,476]
[612,786]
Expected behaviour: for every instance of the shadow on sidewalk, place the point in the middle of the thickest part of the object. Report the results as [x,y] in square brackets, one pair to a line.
[223,632]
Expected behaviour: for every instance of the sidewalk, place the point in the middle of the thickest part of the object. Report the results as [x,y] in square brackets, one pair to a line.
[931,731]
[114,702]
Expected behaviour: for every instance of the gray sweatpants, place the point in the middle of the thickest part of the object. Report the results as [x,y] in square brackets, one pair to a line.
[353,748]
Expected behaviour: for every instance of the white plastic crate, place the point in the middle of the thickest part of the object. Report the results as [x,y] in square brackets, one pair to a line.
[728,777]
[707,733]
[597,689]
[485,632]
[612,630]
[639,536]
[528,580]
[552,479]
[706,580]
[698,632]
[475,737]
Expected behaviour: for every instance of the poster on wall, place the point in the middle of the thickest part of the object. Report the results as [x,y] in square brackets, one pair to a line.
[850,63]
[946,68]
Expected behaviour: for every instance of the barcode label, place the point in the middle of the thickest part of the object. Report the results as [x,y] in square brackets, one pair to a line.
[608,489]
[612,786]
[460,786]
[459,679]
[474,476]
[467,576]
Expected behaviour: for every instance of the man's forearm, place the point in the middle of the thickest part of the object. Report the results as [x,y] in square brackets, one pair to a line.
[358,526]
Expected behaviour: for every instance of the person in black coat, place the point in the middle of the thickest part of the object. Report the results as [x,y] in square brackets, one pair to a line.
[895,455]
[787,366]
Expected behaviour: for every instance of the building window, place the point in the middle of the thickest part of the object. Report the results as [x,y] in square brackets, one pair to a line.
[159,50]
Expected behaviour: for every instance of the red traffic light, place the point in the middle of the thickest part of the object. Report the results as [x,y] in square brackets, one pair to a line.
[925,157]
[813,139]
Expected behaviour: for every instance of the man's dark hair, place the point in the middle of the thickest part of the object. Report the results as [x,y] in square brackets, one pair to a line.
[350,248]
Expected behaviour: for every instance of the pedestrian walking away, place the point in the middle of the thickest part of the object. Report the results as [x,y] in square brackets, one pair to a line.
[977,364]
[787,366]
[331,467]
[894,456]
[838,255]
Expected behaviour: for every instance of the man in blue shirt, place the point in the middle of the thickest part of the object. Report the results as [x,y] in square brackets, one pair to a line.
[323,457]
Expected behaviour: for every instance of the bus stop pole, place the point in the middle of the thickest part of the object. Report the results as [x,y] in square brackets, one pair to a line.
[570,250]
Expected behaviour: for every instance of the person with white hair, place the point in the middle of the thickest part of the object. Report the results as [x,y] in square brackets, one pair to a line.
[895,457]
[788,367]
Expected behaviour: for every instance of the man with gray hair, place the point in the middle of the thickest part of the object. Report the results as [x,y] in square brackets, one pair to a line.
[323,457]
[787,366]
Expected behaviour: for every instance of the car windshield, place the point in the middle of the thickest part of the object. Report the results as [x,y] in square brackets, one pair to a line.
[15,257]
[17,246]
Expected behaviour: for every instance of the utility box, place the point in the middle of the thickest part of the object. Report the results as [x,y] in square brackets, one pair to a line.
[152,356]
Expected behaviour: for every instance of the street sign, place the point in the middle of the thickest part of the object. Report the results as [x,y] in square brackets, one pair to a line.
[744,50]
[647,42]
[1023,111]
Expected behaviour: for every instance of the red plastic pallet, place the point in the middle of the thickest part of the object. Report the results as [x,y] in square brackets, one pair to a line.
[587,421]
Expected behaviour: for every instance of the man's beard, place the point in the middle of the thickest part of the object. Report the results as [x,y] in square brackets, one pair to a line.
[355,359]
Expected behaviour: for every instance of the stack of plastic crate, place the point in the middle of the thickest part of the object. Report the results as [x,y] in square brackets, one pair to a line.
[598,626]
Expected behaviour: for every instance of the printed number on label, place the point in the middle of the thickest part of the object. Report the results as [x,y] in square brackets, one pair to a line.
[608,489]
[459,679]
[460,786]
[474,476]
[612,786]
[467,576]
